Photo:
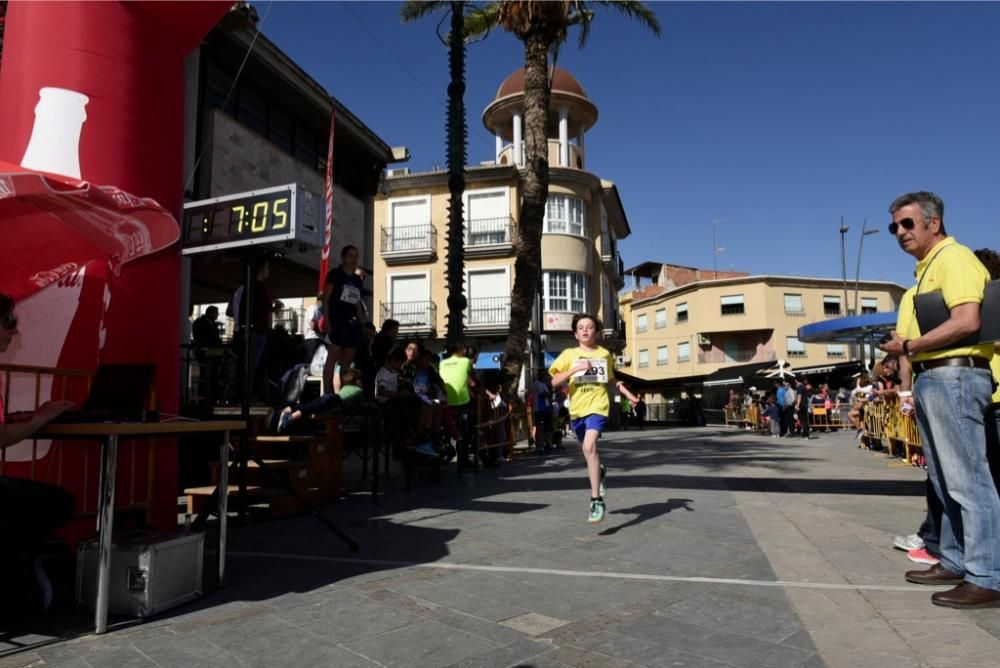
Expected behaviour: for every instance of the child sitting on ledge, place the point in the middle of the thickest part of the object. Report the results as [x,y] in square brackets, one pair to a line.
[350,395]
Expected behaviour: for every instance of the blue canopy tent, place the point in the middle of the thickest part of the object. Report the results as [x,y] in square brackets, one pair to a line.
[490,359]
[852,329]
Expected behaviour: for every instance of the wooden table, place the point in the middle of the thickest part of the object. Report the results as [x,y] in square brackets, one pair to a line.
[109,433]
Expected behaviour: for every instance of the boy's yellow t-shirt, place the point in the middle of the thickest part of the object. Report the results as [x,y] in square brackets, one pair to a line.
[588,392]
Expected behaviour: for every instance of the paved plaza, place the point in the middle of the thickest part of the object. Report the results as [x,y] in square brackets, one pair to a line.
[721,548]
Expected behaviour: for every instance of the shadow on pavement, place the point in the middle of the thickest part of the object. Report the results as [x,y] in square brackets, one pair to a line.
[647,511]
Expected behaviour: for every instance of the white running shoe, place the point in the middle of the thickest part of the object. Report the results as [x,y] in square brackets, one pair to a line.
[907,543]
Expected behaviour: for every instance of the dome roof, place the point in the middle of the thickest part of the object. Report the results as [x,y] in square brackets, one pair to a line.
[562,81]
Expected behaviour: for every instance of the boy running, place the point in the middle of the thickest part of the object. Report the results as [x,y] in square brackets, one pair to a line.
[589,370]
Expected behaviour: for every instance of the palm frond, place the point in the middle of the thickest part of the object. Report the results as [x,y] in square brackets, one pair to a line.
[633,9]
[411,10]
[480,20]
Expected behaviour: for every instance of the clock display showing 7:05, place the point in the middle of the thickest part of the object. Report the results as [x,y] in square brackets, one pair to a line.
[277,215]
[259,216]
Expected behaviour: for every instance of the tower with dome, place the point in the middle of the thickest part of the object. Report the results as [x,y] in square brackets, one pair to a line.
[585,219]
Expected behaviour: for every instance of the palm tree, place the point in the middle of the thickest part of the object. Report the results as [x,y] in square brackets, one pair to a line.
[457,133]
[542,26]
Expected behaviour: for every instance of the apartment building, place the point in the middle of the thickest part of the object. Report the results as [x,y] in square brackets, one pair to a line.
[584,221]
[695,322]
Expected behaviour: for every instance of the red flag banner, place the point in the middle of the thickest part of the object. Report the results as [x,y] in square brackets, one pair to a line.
[324,263]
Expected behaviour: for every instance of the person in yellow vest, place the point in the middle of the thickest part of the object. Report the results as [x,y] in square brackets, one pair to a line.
[951,388]
[589,370]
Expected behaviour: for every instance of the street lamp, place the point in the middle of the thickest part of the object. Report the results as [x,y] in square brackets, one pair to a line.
[857,274]
[843,258]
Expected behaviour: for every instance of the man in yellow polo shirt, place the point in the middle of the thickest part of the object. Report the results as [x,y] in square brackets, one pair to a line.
[952,385]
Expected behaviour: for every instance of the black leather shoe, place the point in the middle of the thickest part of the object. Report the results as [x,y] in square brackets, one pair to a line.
[967,595]
[935,575]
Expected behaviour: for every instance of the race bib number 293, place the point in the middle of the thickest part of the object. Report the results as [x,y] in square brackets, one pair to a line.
[598,372]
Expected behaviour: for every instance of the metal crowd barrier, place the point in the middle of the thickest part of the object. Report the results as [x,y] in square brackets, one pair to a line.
[883,425]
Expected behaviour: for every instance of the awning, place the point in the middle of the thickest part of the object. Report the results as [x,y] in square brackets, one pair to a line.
[849,329]
[735,375]
[491,359]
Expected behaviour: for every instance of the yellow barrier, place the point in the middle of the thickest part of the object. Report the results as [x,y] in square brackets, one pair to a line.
[883,423]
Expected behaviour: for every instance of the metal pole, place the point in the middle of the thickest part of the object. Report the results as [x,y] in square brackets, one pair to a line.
[843,258]
[715,251]
[248,281]
[857,275]
[223,505]
[106,510]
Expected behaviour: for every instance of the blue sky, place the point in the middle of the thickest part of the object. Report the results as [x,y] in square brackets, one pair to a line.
[778,118]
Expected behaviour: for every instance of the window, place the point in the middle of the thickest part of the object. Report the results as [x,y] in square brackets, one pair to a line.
[793,305]
[831,305]
[565,291]
[488,297]
[661,318]
[684,351]
[253,109]
[565,214]
[869,305]
[732,305]
[486,217]
[795,347]
[643,358]
[410,224]
[409,300]
[661,355]
[836,350]
[640,323]
[682,312]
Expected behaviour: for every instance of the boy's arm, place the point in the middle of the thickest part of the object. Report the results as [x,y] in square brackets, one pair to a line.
[623,389]
[560,378]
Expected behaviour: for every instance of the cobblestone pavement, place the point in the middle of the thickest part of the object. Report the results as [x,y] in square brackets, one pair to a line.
[721,548]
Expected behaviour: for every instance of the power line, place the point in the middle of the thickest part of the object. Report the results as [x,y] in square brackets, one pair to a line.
[402,65]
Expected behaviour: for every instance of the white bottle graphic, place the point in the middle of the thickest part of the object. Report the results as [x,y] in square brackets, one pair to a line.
[55,138]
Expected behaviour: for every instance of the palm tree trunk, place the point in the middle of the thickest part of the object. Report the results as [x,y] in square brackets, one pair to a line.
[457,138]
[535,192]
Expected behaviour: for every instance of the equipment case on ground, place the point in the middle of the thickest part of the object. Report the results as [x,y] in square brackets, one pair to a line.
[147,576]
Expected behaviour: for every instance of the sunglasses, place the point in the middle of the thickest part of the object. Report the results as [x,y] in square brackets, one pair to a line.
[9,322]
[907,224]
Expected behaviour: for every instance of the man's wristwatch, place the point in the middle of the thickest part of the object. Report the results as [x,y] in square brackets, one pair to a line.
[906,348]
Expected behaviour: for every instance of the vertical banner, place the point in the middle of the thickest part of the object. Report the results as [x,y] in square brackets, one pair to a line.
[324,263]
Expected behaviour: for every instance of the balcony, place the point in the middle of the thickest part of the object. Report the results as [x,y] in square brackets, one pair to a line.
[613,264]
[488,315]
[408,244]
[486,237]
[797,311]
[735,357]
[418,317]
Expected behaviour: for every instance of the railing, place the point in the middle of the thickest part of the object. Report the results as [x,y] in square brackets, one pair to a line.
[795,310]
[489,231]
[723,357]
[411,314]
[71,466]
[488,311]
[409,238]
[884,425]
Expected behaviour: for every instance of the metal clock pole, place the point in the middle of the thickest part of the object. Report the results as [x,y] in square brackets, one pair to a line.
[242,455]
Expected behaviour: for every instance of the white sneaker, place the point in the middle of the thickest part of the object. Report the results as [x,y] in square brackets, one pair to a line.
[907,543]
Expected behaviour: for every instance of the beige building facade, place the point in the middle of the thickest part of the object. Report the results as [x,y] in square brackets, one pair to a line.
[707,324]
[582,270]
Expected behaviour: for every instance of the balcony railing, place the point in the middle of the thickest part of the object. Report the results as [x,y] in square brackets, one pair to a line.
[489,231]
[795,310]
[488,311]
[742,356]
[414,315]
[409,239]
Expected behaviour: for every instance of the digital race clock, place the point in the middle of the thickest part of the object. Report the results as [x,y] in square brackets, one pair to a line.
[267,216]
